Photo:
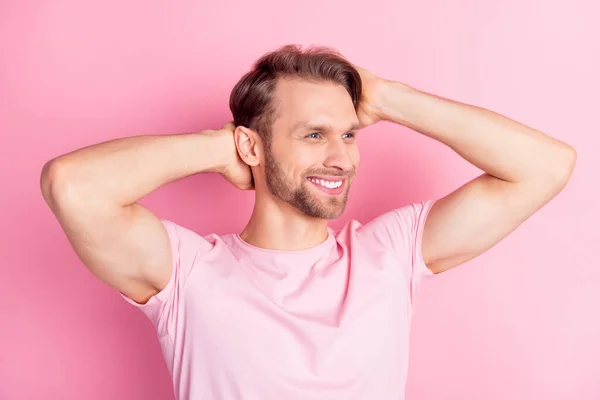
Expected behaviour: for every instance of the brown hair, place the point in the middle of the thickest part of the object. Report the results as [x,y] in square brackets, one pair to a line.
[251,101]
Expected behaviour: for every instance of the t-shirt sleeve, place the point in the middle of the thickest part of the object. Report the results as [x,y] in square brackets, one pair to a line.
[187,247]
[401,231]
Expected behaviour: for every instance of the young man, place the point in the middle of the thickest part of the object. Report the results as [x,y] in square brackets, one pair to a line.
[288,308]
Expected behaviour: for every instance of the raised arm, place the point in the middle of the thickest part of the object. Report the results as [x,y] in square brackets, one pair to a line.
[93,193]
[524,168]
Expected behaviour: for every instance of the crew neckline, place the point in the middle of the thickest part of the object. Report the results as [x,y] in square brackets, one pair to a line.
[330,238]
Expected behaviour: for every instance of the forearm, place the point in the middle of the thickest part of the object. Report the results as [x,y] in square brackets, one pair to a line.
[495,144]
[122,171]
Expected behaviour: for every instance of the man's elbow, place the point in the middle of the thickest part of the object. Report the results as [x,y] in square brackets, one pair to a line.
[560,167]
[47,177]
[565,166]
[53,181]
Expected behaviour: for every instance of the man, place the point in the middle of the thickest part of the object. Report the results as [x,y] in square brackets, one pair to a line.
[288,308]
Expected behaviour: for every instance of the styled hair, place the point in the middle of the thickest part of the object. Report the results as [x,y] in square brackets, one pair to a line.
[252,99]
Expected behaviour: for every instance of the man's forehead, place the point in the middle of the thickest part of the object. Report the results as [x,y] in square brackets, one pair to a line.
[303,105]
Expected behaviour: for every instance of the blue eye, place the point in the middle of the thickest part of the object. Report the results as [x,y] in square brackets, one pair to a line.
[316,135]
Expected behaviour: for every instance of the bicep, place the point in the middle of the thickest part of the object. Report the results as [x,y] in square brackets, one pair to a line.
[475,217]
[126,247]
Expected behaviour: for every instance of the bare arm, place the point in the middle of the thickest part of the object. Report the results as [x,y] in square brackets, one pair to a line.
[524,170]
[94,192]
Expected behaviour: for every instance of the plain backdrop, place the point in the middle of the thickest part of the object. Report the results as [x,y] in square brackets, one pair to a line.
[519,322]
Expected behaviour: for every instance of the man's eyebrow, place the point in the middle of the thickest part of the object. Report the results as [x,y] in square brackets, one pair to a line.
[317,127]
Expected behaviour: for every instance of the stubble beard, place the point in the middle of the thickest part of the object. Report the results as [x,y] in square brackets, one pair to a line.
[300,197]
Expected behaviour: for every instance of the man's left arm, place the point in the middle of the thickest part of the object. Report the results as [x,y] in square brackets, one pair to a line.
[524,169]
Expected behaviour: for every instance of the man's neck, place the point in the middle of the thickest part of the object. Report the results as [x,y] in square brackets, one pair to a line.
[279,226]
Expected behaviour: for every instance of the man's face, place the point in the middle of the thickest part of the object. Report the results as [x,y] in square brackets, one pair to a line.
[313,155]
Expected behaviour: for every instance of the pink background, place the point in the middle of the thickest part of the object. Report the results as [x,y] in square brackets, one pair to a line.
[520,322]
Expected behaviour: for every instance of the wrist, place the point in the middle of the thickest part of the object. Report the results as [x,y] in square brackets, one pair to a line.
[394,101]
[217,147]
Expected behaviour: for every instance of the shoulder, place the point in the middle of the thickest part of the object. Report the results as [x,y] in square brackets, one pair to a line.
[399,230]
[187,242]
[399,222]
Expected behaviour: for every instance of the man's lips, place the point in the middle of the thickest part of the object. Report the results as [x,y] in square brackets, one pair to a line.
[332,185]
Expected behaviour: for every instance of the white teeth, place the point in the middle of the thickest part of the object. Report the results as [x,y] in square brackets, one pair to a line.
[327,184]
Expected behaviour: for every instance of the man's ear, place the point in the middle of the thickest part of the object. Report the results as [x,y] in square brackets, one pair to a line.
[248,145]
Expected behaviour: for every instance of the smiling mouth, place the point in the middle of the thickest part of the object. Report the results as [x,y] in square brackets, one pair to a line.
[331,186]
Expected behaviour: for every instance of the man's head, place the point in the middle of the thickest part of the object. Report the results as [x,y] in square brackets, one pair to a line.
[295,114]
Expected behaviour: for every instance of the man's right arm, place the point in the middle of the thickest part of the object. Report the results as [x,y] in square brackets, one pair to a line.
[93,192]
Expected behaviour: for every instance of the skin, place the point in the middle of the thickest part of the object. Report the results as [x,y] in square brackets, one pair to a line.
[523,168]
[94,191]
[287,202]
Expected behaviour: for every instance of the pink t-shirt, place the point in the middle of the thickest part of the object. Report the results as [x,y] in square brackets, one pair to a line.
[331,322]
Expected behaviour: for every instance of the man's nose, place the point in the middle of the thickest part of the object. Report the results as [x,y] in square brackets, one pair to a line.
[339,156]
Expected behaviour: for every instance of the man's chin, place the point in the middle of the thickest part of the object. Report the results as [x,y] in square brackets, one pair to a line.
[330,211]
[332,207]
[316,204]
[335,215]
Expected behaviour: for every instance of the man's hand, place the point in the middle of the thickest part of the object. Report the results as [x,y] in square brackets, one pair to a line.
[370,109]
[233,169]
